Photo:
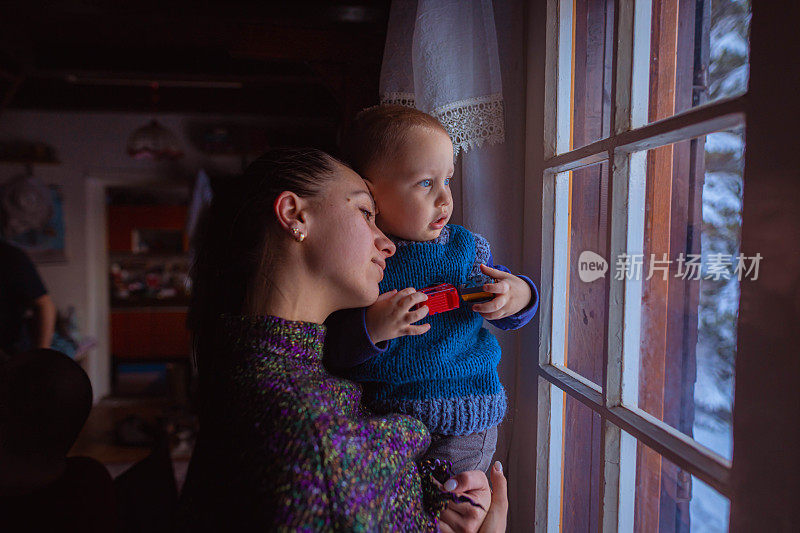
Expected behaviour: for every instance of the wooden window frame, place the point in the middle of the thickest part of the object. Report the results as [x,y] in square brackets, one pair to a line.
[763,487]
[618,149]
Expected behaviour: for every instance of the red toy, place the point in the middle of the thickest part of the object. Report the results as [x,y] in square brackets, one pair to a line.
[446,297]
[441,298]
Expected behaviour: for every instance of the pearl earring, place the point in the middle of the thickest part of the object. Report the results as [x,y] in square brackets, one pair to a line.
[298,235]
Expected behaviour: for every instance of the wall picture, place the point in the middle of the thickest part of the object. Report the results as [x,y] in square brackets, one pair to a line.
[32,215]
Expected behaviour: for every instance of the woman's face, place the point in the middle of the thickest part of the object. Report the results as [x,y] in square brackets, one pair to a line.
[345,248]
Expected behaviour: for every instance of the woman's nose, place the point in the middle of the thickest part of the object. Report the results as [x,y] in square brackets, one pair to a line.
[384,244]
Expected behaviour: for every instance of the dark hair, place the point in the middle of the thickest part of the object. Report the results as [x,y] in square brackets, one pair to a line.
[377,131]
[45,398]
[236,242]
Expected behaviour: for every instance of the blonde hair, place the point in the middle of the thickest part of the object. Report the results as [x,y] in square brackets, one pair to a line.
[377,131]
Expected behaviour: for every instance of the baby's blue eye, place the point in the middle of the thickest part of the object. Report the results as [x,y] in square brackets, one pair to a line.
[447,181]
[425,183]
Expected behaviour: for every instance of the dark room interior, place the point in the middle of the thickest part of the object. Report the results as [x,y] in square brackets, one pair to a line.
[589,139]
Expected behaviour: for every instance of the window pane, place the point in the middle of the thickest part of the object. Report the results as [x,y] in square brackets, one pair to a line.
[657,495]
[584,82]
[683,269]
[581,279]
[575,462]
[687,53]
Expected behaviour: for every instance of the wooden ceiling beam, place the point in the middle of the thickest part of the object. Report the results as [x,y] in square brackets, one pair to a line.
[263,40]
[309,45]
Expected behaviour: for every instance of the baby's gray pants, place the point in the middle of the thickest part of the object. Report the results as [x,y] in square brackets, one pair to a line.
[465,452]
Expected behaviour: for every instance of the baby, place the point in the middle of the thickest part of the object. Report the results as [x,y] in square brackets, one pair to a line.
[442,370]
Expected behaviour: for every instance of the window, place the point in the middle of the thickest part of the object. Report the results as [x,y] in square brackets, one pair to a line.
[641,263]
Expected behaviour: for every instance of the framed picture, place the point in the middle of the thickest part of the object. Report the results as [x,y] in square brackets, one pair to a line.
[33,218]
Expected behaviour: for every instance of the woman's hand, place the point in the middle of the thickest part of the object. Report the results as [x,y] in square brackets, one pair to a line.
[512,295]
[497,516]
[391,315]
[466,517]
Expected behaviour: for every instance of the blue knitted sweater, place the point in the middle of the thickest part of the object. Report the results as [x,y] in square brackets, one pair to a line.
[446,377]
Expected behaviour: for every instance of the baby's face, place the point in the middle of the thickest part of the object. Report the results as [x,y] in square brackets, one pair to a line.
[412,188]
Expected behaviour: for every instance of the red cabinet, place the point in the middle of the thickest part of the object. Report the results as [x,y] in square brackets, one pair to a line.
[149,334]
[123,220]
[147,246]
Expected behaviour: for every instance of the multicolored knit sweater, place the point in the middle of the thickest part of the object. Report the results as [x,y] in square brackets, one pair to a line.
[284,445]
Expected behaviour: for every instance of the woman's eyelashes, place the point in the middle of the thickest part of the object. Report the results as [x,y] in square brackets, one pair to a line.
[369,215]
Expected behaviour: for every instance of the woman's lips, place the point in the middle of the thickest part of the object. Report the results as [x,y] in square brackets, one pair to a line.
[381,265]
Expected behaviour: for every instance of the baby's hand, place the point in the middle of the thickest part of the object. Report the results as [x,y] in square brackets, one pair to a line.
[513,294]
[391,315]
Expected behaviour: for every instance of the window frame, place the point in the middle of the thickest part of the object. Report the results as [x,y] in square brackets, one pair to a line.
[618,149]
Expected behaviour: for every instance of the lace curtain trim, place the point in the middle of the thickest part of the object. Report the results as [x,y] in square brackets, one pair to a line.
[471,122]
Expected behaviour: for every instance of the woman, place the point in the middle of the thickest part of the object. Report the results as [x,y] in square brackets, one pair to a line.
[283,444]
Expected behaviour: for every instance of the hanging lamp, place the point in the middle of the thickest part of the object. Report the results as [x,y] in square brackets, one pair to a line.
[153,141]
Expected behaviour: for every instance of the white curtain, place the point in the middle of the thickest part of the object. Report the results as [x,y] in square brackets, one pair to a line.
[441,57]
